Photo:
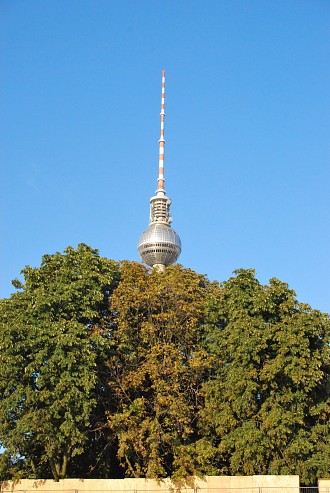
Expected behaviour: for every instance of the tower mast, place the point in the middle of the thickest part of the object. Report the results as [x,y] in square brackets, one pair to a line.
[160,189]
[159,245]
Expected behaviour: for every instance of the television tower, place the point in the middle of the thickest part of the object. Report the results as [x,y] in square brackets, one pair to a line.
[159,245]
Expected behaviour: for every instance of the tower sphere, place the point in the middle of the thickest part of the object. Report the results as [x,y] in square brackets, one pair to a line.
[159,245]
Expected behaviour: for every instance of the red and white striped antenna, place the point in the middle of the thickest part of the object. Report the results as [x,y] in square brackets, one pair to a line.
[161,180]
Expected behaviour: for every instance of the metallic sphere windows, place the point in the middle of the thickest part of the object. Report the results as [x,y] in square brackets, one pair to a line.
[159,244]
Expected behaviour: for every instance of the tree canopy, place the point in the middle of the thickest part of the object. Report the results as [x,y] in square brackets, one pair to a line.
[109,370]
[266,408]
[158,367]
[50,347]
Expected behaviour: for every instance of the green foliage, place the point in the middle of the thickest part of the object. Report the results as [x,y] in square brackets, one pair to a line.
[110,370]
[51,339]
[267,400]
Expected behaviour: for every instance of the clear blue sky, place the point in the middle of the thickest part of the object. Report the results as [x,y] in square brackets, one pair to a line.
[247,132]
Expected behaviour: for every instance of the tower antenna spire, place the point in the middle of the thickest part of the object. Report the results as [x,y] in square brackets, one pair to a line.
[159,245]
[161,180]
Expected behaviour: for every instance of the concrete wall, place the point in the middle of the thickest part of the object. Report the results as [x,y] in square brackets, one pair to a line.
[324,485]
[209,484]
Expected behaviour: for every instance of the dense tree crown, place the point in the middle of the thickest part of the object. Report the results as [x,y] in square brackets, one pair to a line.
[111,370]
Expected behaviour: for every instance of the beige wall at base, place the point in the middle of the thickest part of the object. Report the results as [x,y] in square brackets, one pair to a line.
[209,484]
[324,485]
